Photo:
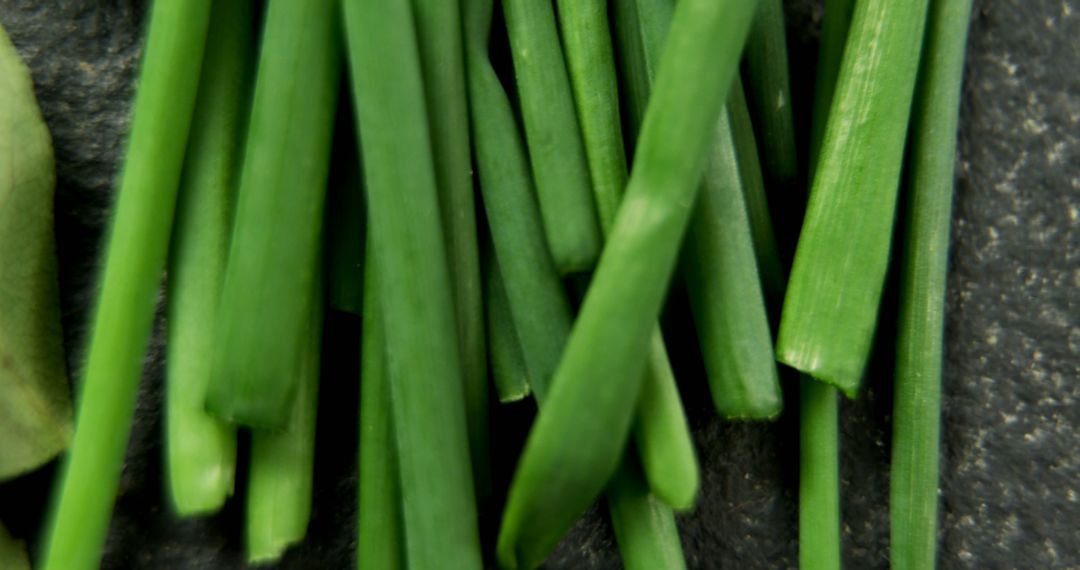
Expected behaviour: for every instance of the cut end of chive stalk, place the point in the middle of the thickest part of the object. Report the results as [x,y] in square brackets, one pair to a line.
[811,362]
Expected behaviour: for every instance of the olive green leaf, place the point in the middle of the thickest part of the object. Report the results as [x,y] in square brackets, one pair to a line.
[12,552]
[35,407]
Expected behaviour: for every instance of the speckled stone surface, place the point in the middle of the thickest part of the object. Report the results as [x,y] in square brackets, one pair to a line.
[1011,453]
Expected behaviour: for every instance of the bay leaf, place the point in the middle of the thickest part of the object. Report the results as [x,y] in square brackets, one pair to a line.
[35,404]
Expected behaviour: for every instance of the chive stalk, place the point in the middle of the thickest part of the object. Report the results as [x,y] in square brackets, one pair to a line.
[831,305]
[594,390]
[137,248]
[283,463]
[381,543]
[439,511]
[819,411]
[917,401]
[644,527]
[508,371]
[560,167]
[439,32]
[200,448]
[274,254]
[769,91]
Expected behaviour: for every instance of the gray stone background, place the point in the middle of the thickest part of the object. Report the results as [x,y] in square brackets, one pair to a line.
[1010,495]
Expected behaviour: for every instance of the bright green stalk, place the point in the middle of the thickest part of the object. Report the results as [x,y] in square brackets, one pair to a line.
[560,167]
[831,305]
[438,28]
[917,407]
[583,27]
[819,476]
[274,254]
[508,371]
[201,449]
[661,430]
[769,88]
[283,463]
[598,381]
[718,255]
[137,247]
[819,446]
[381,543]
[414,287]
[644,527]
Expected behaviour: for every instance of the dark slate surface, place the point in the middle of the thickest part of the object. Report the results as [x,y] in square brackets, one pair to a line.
[1011,456]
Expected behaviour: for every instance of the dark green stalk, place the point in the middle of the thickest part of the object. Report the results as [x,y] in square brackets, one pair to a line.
[423,361]
[819,445]
[555,145]
[381,541]
[439,31]
[831,305]
[917,407]
[508,371]
[769,89]
[598,381]
[283,463]
[201,449]
[274,254]
[346,223]
[12,552]
[138,244]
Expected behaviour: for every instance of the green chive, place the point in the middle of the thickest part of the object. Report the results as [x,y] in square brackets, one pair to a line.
[831,305]
[137,247]
[769,88]
[201,449]
[917,407]
[283,464]
[560,167]
[508,371]
[644,527]
[274,254]
[35,404]
[598,381]
[381,541]
[414,287]
[439,31]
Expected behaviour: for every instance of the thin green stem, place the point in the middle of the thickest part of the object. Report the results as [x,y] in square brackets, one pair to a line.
[414,290]
[917,401]
[508,371]
[283,463]
[381,542]
[560,166]
[200,448]
[819,476]
[644,527]
[769,89]
[137,248]
[274,253]
[831,304]
[598,382]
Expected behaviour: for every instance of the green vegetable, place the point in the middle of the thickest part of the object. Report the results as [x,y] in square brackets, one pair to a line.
[819,446]
[35,407]
[508,371]
[769,88]
[422,351]
[274,254]
[831,305]
[12,552]
[136,252]
[917,403]
[201,449]
[558,156]
[381,541]
[644,527]
[594,390]
[283,463]
[718,254]
[438,28]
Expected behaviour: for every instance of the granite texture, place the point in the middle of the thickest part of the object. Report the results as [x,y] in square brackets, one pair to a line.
[1011,456]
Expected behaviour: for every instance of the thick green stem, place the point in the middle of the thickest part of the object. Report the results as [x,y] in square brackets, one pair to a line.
[201,449]
[508,371]
[598,381]
[275,250]
[917,401]
[414,291]
[137,248]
